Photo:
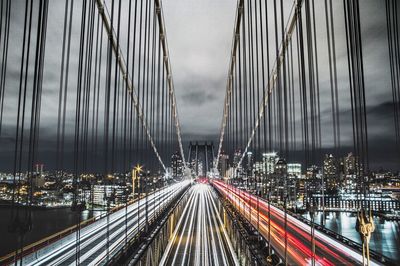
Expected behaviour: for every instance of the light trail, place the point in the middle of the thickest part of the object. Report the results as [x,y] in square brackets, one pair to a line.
[199,237]
[328,251]
[93,237]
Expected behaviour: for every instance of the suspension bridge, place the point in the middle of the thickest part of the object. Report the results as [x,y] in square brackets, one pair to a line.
[309,121]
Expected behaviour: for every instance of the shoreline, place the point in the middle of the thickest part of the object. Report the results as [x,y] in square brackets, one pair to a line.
[7,204]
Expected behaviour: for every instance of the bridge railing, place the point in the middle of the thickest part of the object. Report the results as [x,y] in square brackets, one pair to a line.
[161,218]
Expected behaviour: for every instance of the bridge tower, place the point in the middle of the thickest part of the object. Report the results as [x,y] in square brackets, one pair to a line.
[201,156]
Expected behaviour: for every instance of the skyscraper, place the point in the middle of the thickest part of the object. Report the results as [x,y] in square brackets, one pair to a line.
[294,170]
[249,166]
[236,158]
[350,164]
[269,160]
[281,167]
[223,164]
[177,165]
[259,168]
[330,172]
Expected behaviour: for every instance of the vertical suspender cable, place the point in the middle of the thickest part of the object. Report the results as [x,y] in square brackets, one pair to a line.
[4,58]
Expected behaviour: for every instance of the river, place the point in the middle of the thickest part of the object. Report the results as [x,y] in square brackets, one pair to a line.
[45,222]
[385,239]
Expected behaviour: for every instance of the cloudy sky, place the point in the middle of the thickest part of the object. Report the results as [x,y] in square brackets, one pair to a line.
[199,37]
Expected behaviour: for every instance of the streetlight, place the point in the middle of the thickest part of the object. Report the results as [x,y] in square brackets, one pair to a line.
[137,169]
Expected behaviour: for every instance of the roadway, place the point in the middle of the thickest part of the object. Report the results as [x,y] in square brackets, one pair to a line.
[199,237]
[92,244]
[328,251]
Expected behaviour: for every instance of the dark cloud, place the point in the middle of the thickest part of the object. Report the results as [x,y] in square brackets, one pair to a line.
[197,98]
[199,36]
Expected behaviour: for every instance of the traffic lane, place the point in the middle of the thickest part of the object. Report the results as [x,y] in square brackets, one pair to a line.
[199,238]
[92,229]
[179,239]
[225,254]
[299,240]
[296,254]
[328,250]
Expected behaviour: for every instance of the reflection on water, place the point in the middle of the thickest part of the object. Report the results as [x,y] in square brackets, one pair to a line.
[45,223]
[385,239]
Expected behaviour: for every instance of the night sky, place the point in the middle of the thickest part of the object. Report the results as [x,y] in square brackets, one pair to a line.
[199,37]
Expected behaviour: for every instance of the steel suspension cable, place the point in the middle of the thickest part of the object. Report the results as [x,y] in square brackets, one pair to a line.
[4,58]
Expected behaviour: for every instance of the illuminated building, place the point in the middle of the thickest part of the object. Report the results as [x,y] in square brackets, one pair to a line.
[249,164]
[177,165]
[236,157]
[330,172]
[350,164]
[114,194]
[281,167]
[223,164]
[38,176]
[259,168]
[294,170]
[269,160]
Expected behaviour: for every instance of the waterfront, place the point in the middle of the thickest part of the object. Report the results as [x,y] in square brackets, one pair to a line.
[385,239]
[45,222]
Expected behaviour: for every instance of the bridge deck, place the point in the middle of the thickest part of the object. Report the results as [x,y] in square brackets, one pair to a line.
[199,237]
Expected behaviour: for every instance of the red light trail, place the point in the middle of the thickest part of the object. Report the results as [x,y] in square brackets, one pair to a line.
[328,251]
